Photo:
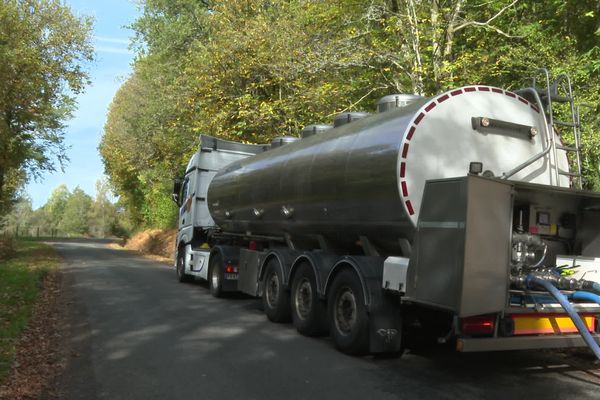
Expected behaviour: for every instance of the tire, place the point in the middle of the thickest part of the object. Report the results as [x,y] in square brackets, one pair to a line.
[309,313]
[180,267]
[348,317]
[215,275]
[275,299]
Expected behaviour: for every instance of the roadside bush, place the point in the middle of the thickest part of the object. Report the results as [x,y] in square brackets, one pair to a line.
[154,241]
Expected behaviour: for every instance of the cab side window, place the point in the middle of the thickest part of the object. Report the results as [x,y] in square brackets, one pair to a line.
[184,190]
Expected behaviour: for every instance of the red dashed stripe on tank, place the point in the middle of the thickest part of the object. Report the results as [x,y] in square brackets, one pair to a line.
[409,207]
[419,118]
[430,106]
[404,189]
[405,150]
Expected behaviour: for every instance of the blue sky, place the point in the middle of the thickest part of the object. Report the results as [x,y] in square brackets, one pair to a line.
[112,66]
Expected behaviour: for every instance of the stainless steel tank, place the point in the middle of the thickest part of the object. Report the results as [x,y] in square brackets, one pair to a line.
[366,178]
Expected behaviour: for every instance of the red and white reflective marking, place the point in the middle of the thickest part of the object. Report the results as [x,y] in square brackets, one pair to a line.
[430,106]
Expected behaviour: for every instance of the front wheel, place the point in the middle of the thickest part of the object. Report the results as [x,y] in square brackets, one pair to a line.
[180,267]
[348,317]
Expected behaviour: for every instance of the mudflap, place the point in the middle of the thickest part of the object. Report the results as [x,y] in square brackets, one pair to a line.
[385,326]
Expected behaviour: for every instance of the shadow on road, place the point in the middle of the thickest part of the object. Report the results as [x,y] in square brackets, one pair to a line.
[140,334]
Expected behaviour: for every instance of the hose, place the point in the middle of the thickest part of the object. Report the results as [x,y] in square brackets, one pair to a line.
[591,286]
[564,302]
[585,296]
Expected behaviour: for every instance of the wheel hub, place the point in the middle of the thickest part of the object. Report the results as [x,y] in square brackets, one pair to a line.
[272,290]
[303,299]
[214,277]
[180,267]
[345,311]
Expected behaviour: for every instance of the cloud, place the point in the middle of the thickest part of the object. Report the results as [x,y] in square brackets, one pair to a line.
[112,50]
[103,45]
[106,39]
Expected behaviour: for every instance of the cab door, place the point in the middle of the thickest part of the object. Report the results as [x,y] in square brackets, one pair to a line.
[185,210]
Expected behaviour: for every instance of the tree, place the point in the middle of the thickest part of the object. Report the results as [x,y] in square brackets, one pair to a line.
[56,204]
[249,70]
[75,219]
[103,213]
[43,50]
[19,221]
[143,149]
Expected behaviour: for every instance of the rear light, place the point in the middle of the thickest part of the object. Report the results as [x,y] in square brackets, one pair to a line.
[230,269]
[479,325]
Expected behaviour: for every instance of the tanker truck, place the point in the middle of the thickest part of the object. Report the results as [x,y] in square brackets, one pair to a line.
[459,217]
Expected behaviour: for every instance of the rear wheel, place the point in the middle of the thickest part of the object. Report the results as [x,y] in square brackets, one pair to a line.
[215,275]
[308,311]
[180,267]
[275,299]
[348,317]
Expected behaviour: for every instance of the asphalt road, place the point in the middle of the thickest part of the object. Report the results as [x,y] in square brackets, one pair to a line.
[136,333]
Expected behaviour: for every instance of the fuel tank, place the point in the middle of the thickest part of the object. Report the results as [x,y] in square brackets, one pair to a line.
[366,178]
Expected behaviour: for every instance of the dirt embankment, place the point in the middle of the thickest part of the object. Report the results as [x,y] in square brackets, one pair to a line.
[154,242]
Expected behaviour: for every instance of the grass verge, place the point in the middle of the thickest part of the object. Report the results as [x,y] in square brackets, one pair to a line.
[21,279]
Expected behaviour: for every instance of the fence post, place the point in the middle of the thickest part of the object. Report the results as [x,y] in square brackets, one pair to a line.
[17,231]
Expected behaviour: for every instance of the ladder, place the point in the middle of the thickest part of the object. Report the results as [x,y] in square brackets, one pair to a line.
[561,91]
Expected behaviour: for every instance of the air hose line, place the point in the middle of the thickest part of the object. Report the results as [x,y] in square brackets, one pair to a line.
[585,296]
[533,281]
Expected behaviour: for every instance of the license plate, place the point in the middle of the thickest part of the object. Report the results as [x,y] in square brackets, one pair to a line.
[231,277]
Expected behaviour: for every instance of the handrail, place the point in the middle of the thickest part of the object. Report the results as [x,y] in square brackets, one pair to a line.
[575,120]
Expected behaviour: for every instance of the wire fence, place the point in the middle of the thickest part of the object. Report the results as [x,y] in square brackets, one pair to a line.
[33,232]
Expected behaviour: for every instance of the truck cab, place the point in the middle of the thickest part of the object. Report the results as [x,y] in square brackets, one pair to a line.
[190,193]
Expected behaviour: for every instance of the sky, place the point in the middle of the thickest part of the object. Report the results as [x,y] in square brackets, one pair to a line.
[107,73]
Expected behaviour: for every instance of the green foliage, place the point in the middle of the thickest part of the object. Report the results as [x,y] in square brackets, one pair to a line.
[75,218]
[251,70]
[102,216]
[43,49]
[69,214]
[55,206]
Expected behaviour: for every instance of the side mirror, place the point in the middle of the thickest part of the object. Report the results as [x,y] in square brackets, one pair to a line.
[176,190]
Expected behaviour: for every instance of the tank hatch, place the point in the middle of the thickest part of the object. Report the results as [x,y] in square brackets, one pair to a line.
[393,101]
[348,117]
[282,140]
[310,130]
